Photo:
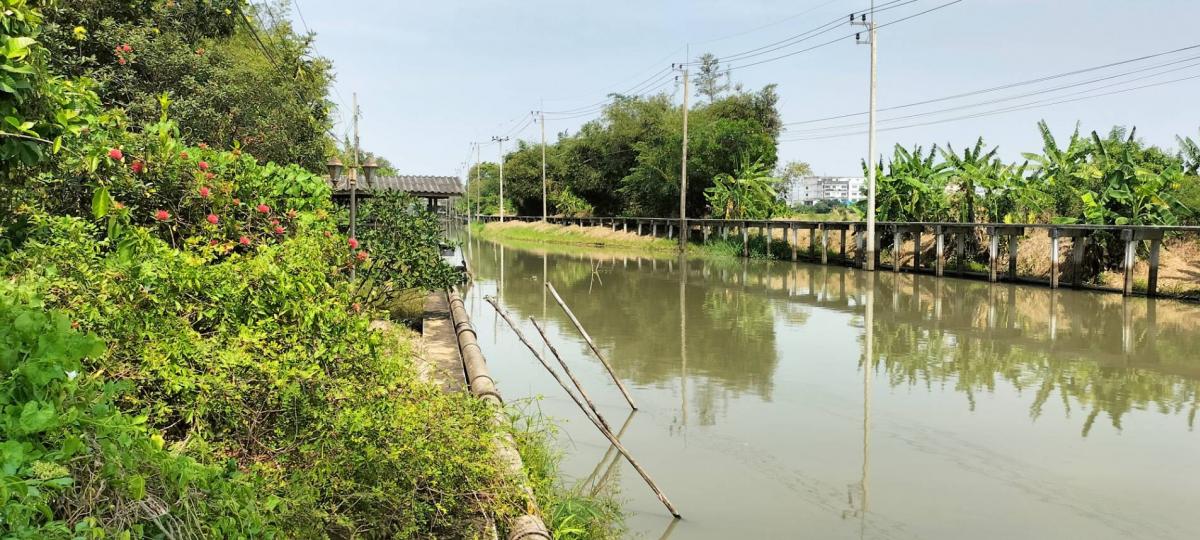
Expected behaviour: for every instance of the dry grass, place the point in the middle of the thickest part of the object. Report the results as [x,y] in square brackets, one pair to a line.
[574,235]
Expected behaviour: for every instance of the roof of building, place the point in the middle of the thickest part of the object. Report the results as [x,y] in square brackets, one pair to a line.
[420,185]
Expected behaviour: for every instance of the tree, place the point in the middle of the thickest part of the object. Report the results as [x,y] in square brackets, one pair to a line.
[790,173]
[709,80]
[972,169]
[748,194]
[234,81]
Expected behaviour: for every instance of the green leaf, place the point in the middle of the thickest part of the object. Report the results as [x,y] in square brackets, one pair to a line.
[101,202]
[36,417]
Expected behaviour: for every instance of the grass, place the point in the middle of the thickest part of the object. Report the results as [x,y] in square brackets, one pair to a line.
[532,234]
[571,235]
[570,512]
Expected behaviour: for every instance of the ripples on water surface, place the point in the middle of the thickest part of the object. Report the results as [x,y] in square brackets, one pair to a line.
[986,410]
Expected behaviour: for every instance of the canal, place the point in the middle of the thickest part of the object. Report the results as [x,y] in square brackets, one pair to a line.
[770,408]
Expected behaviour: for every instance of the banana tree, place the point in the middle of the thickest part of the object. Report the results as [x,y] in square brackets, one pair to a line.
[972,169]
[913,188]
[1129,192]
[1061,169]
[750,194]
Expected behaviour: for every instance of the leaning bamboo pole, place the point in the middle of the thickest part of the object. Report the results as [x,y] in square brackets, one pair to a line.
[591,344]
[570,375]
[608,434]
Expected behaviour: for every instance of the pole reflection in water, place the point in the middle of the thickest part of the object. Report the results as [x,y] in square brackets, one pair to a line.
[990,392]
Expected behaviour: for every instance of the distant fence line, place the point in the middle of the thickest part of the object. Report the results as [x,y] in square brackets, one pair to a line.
[818,232]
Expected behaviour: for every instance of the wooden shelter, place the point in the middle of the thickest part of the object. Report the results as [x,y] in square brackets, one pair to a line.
[434,189]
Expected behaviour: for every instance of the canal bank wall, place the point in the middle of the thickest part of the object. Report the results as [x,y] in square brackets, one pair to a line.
[452,357]
[1150,261]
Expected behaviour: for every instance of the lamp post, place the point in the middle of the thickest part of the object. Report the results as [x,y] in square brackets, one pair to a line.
[335,167]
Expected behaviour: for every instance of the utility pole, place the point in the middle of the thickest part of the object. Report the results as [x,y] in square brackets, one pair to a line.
[683,234]
[353,174]
[477,186]
[542,121]
[869,260]
[501,140]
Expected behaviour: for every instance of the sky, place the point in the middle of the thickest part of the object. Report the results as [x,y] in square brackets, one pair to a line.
[431,77]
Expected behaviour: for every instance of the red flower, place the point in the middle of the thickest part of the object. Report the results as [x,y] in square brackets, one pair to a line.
[353,243]
[203,146]
[121,61]
[212,242]
[244,241]
[212,218]
[183,155]
[126,48]
[203,165]
[138,167]
[209,176]
[162,215]
[263,209]
[361,256]
[116,154]
[278,229]
[357,307]
[204,192]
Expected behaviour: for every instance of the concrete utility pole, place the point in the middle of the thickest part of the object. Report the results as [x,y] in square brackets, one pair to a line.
[542,121]
[501,140]
[477,186]
[869,260]
[683,236]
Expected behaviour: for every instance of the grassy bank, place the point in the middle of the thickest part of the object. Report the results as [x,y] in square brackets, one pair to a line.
[532,234]
[571,235]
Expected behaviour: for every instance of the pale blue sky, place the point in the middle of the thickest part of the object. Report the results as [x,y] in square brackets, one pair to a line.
[433,76]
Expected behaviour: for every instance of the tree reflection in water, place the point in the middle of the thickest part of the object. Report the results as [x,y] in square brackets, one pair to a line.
[1094,352]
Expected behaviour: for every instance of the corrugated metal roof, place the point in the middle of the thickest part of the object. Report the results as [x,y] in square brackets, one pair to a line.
[417,184]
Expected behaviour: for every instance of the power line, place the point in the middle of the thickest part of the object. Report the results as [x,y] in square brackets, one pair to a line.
[803,36]
[1002,87]
[832,41]
[1025,106]
[1030,94]
[271,58]
[768,25]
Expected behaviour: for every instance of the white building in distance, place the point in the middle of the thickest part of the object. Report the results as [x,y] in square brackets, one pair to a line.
[812,189]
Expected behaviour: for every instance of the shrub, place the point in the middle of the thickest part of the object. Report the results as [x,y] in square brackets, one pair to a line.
[72,465]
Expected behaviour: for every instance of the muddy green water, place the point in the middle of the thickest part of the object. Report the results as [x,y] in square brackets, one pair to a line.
[984,411]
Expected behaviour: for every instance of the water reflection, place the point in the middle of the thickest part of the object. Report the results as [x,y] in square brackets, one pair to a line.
[712,326]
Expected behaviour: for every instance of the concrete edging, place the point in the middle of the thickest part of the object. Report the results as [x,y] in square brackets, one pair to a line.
[482,386]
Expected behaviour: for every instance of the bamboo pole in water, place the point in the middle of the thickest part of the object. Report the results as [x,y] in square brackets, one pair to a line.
[608,434]
[570,375]
[591,344]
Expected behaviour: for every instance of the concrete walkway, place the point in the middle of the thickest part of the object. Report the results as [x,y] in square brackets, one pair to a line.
[441,361]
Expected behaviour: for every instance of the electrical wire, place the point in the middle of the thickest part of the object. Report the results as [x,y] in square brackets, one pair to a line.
[1002,87]
[803,36]
[1029,94]
[832,41]
[1025,106]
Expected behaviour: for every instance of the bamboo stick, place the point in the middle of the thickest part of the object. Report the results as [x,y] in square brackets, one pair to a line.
[608,434]
[608,453]
[591,344]
[578,386]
